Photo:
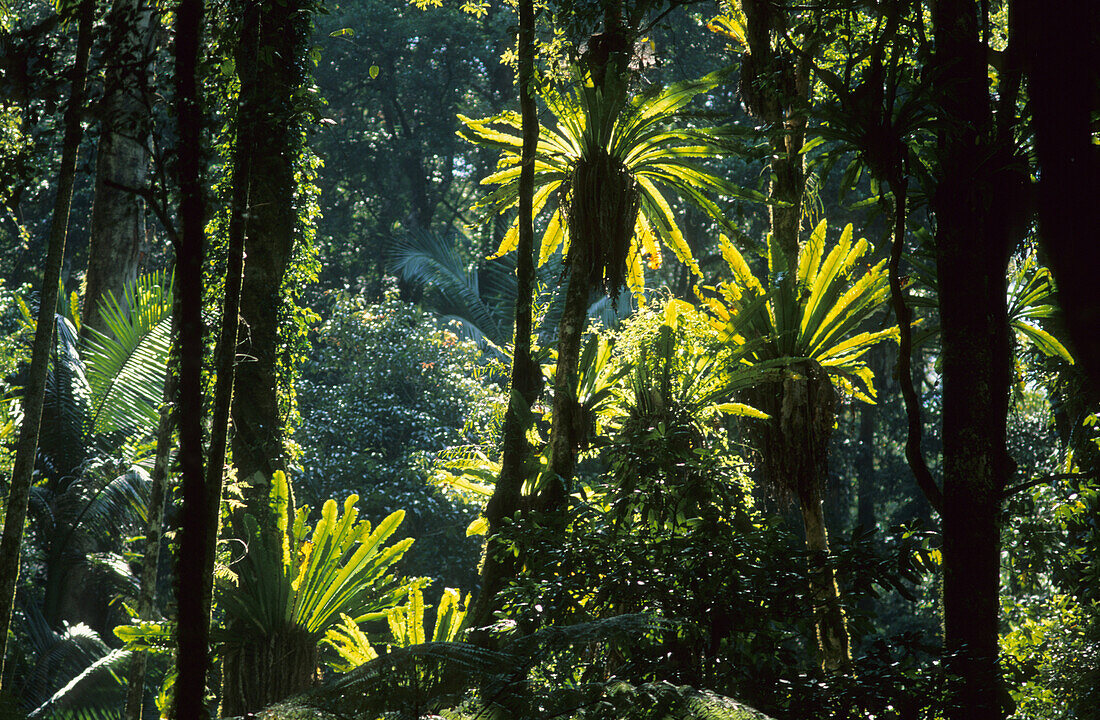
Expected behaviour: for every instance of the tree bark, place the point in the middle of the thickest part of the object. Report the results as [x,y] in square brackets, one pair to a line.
[196,533]
[498,564]
[154,531]
[273,44]
[1060,50]
[564,433]
[34,394]
[225,370]
[976,203]
[265,670]
[793,446]
[122,164]
[773,85]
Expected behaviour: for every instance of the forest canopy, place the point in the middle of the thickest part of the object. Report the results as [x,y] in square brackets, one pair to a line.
[606,359]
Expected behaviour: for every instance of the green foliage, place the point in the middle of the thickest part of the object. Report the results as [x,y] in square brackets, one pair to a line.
[816,316]
[297,581]
[70,673]
[14,351]
[388,388]
[308,577]
[465,681]
[406,624]
[394,78]
[601,135]
[1031,299]
[126,368]
[482,301]
[1051,657]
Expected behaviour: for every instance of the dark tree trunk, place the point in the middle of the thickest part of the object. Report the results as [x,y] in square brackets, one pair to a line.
[271,63]
[122,163]
[981,189]
[1060,50]
[225,369]
[34,393]
[526,374]
[154,531]
[196,533]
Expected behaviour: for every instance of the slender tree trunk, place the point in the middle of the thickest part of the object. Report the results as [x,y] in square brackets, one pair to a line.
[197,533]
[122,163]
[526,374]
[154,531]
[565,433]
[225,368]
[914,455]
[772,85]
[34,394]
[865,489]
[977,205]
[830,624]
[272,74]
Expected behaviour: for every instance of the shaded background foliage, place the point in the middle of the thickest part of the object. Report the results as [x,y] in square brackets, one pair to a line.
[386,389]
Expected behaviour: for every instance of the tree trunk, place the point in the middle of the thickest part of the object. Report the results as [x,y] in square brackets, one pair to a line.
[154,530]
[567,424]
[772,86]
[118,215]
[526,374]
[830,624]
[977,206]
[1060,60]
[865,469]
[794,461]
[271,65]
[196,533]
[26,449]
[262,671]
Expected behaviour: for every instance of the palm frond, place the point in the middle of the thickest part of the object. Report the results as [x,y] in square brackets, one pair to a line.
[62,445]
[412,681]
[74,674]
[432,260]
[96,693]
[127,365]
[105,505]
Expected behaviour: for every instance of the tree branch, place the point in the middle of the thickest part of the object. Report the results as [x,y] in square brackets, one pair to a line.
[1009,492]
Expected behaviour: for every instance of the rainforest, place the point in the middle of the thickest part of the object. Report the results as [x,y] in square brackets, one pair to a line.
[549,359]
